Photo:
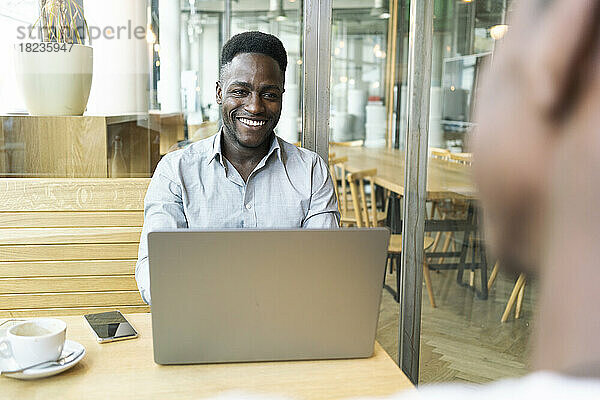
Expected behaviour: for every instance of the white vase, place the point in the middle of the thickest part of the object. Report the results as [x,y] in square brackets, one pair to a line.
[54,83]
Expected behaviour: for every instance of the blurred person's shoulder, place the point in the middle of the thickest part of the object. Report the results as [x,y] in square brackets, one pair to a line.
[539,385]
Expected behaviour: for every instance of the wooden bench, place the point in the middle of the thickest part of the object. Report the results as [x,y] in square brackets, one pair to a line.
[69,246]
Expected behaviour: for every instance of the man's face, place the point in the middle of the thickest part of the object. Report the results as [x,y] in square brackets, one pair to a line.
[250,92]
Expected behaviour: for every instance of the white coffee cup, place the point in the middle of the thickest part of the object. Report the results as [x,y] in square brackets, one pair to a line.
[34,341]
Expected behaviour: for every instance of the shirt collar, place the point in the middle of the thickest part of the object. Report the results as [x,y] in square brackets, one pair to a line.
[217,151]
[216,148]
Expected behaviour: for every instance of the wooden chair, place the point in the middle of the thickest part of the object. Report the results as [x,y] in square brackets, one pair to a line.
[449,208]
[366,217]
[341,195]
[462,158]
[516,295]
[436,152]
[69,246]
[346,206]
[440,154]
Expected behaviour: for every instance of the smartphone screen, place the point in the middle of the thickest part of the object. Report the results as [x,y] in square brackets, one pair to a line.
[110,326]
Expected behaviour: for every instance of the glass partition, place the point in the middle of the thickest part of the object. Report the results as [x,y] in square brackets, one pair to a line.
[368,121]
[474,333]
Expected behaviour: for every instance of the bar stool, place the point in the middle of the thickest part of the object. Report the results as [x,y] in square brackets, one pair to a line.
[516,295]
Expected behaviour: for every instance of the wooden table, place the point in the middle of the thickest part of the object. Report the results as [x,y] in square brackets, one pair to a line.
[126,370]
[444,179]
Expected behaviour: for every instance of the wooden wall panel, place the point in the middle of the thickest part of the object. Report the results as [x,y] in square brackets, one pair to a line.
[72,195]
[67,284]
[24,269]
[69,300]
[21,236]
[50,252]
[65,219]
[69,244]
[4,166]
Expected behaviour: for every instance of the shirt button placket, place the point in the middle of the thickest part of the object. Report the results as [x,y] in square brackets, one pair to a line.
[249,214]
[244,223]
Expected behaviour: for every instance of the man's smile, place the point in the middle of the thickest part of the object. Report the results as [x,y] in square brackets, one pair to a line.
[252,122]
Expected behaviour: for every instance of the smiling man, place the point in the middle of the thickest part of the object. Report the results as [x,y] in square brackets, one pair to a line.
[244,176]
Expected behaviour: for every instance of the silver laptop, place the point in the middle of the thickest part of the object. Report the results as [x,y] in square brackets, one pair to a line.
[250,295]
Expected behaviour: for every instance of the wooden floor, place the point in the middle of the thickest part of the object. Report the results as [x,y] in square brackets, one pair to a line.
[463,340]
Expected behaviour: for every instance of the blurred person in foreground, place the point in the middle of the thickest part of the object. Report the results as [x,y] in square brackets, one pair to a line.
[537,165]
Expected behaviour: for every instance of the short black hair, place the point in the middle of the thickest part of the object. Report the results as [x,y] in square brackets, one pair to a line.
[255,42]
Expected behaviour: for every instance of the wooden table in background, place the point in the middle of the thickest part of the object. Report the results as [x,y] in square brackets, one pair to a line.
[444,179]
[126,370]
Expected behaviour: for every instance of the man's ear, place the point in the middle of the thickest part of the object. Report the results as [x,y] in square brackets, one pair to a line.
[219,93]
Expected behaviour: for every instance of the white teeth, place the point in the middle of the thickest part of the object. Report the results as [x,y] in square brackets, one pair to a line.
[251,122]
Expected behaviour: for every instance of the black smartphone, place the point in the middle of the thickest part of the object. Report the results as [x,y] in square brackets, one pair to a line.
[110,326]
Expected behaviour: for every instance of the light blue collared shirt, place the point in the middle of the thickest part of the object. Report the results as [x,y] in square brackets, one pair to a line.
[197,187]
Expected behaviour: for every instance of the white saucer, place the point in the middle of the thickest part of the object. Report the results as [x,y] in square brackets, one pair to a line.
[43,372]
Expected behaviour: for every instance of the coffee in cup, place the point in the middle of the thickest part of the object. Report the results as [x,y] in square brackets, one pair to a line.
[34,341]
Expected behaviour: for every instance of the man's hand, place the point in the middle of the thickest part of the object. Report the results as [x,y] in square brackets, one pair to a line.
[539,99]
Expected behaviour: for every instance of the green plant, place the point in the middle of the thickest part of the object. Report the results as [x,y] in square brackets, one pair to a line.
[59,19]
